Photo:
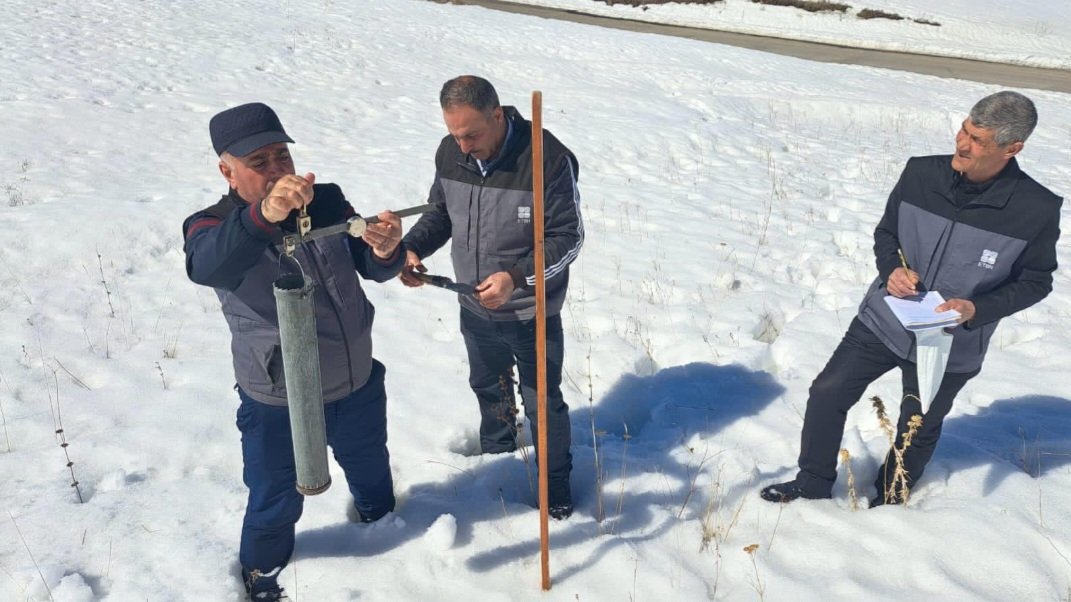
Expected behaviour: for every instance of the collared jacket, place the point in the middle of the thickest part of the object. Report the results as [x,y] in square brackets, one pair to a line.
[489,219]
[997,251]
[232,248]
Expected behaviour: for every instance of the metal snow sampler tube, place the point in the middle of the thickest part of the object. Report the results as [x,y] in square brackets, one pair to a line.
[304,394]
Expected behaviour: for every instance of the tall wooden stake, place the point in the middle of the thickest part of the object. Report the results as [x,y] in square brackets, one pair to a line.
[541,331]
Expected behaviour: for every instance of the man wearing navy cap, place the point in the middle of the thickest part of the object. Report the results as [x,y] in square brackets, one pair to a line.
[234,247]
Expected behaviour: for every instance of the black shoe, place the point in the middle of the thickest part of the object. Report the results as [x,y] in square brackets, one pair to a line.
[359,517]
[560,499]
[783,493]
[560,511]
[356,516]
[269,595]
[260,587]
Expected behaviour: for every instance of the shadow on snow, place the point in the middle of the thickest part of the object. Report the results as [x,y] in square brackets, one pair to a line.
[642,424]
[1030,434]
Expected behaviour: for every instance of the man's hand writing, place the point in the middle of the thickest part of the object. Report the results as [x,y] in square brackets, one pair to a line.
[902,283]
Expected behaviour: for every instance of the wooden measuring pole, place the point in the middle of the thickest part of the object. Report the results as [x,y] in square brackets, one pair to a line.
[541,331]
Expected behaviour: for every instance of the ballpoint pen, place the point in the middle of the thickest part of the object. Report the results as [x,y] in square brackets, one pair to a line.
[903,261]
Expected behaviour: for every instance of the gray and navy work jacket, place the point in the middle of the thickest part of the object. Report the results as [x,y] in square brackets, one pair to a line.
[489,219]
[232,248]
[998,251]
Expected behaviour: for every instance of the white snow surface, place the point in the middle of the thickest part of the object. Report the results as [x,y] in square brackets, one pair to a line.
[729,199]
[1036,33]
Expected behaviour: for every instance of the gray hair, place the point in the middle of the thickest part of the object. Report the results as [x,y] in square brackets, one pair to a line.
[469,90]
[1010,114]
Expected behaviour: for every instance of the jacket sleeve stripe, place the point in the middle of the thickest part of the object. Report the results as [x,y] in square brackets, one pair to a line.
[204,222]
[571,254]
[258,219]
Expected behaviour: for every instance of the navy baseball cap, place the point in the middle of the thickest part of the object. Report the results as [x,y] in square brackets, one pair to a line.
[243,129]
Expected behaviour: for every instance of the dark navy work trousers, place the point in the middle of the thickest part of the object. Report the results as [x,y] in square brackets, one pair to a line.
[494,347]
[357,434]
[858,361]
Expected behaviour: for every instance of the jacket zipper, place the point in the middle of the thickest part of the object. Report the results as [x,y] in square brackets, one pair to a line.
[478,192]
[948,239]
[944,248]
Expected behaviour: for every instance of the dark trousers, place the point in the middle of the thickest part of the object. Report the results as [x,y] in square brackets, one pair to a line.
[494,347]
[858,361]
[357,434]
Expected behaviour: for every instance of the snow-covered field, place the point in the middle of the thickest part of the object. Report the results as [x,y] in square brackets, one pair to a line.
[1023,32]
[729,199]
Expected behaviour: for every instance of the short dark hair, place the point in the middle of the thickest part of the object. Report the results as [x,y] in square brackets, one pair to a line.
[469,90]
[1011,115]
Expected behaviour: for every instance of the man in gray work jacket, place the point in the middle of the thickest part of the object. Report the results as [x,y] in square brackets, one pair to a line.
[234,247]
[483,203]
[973,227]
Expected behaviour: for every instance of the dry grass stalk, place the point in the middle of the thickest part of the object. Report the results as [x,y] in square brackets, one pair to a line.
[61,435]
[104,283]
[74,378]
[846,461]
[758,585]
[886,426]
[624,468]
[160,369]
[714,528]
[899,492]
[505,514]
[32,559]
[883,419]
[600,510]
[900,475]
[777,523]
[3,418]
[510,415]
[692,481]
[1026,459]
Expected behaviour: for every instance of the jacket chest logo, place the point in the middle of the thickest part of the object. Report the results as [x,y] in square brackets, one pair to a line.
[988,259]
[524,215]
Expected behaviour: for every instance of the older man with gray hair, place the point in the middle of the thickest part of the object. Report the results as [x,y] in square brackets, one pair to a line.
[972,226]
[234,247]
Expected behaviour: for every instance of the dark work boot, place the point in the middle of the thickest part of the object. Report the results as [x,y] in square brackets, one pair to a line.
[879,500]
[263,586]
[560,511]
[786,492]
[888,494]
[561,500]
